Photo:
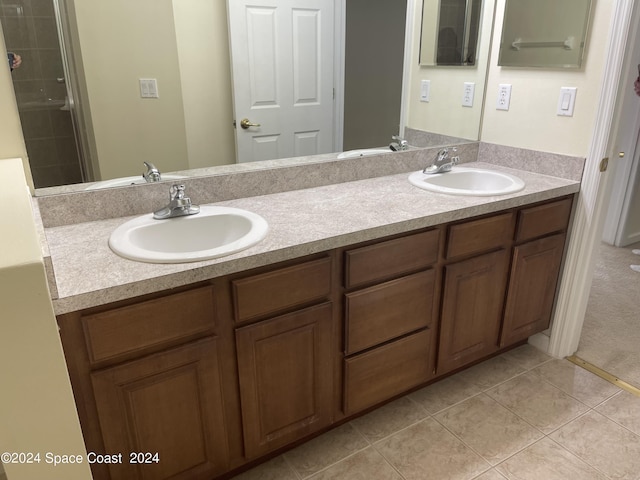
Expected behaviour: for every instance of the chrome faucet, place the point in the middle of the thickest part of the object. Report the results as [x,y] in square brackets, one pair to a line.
[442,163]
[152,174]
[399,144]
[179,205]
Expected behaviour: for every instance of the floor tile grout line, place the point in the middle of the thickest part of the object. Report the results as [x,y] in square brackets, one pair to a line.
[291,467]
[537,428]
[455,404]
[617,423]
[579,457]
[573,395]
[482,456]
[557,387]
[352,454]
[387,460]
[373,443]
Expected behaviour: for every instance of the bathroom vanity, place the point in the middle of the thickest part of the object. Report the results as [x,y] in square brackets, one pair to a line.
[231,360]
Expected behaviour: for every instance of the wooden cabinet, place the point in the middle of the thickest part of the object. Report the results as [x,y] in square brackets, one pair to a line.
[220,374]
[147,379]
[285,360]
[169,406]
[535,269]
[473,289]
[472,301]
[386,371]
[532,288]
[389,343]
[286,381]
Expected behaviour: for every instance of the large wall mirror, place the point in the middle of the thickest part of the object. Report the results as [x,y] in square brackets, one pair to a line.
[450,30]
[544,33]
[112,45]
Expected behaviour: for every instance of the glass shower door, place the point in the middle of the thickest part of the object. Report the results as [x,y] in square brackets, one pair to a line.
[31,30]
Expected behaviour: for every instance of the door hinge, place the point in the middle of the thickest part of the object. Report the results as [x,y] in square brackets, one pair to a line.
[604,163]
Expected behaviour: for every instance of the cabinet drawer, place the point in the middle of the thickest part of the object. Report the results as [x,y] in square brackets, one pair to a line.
[149,324]
[392,369]
[386,311]
[543,219]
[479,236]
[391,258]
[280,289]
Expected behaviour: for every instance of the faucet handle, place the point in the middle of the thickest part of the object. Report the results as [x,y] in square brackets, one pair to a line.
[176,192]
[152,174]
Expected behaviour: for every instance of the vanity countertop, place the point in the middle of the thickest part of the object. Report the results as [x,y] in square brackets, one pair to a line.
[301,222]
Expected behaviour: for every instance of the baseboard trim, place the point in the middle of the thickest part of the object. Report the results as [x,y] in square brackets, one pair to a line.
[604,375]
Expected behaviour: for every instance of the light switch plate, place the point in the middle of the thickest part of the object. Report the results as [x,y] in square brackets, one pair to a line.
[504,96]
[148,88]
[467,94]
[425,90]
[566,101]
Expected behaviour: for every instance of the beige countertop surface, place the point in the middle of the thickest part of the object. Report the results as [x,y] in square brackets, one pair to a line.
[86,273]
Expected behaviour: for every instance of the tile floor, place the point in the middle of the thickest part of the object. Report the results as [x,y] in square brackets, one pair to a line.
[522,415]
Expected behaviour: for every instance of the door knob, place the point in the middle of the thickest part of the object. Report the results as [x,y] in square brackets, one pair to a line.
[621,154]
[246,123]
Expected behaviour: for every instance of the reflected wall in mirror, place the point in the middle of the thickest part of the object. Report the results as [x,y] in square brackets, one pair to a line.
[111,45]
[450,30]
[185,49]
[451,110]
[544,33]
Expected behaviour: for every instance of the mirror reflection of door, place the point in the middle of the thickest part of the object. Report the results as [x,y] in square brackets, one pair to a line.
[285,75]
[282,61]
[30,30]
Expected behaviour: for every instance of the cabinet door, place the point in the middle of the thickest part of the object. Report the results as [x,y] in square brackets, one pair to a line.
[169,403]
[473,297]
[532,287]
[286,380]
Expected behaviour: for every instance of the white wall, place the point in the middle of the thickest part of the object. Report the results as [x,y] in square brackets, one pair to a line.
[203,55]
[444,113]
[531,121]
[531,22]
[121,42]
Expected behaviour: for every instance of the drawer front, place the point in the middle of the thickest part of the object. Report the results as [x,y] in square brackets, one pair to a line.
[280,289]
[391,258]
[377,375]
[544,219]
[479,236]
[149,324]
[386,311]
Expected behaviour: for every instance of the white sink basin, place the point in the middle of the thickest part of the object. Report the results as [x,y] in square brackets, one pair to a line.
[468,181]
[363,153]
[124,181]
[212,233]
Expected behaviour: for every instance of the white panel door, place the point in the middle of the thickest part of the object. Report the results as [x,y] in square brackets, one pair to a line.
[282,66]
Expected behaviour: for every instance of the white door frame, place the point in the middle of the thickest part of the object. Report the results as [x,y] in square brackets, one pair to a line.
[592,203]
[628,141]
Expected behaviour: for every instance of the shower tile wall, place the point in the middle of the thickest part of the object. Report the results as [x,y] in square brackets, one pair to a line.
[30,30]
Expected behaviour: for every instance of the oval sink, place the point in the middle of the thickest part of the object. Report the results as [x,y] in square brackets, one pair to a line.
[125,181]
[468,181]
[212,233]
